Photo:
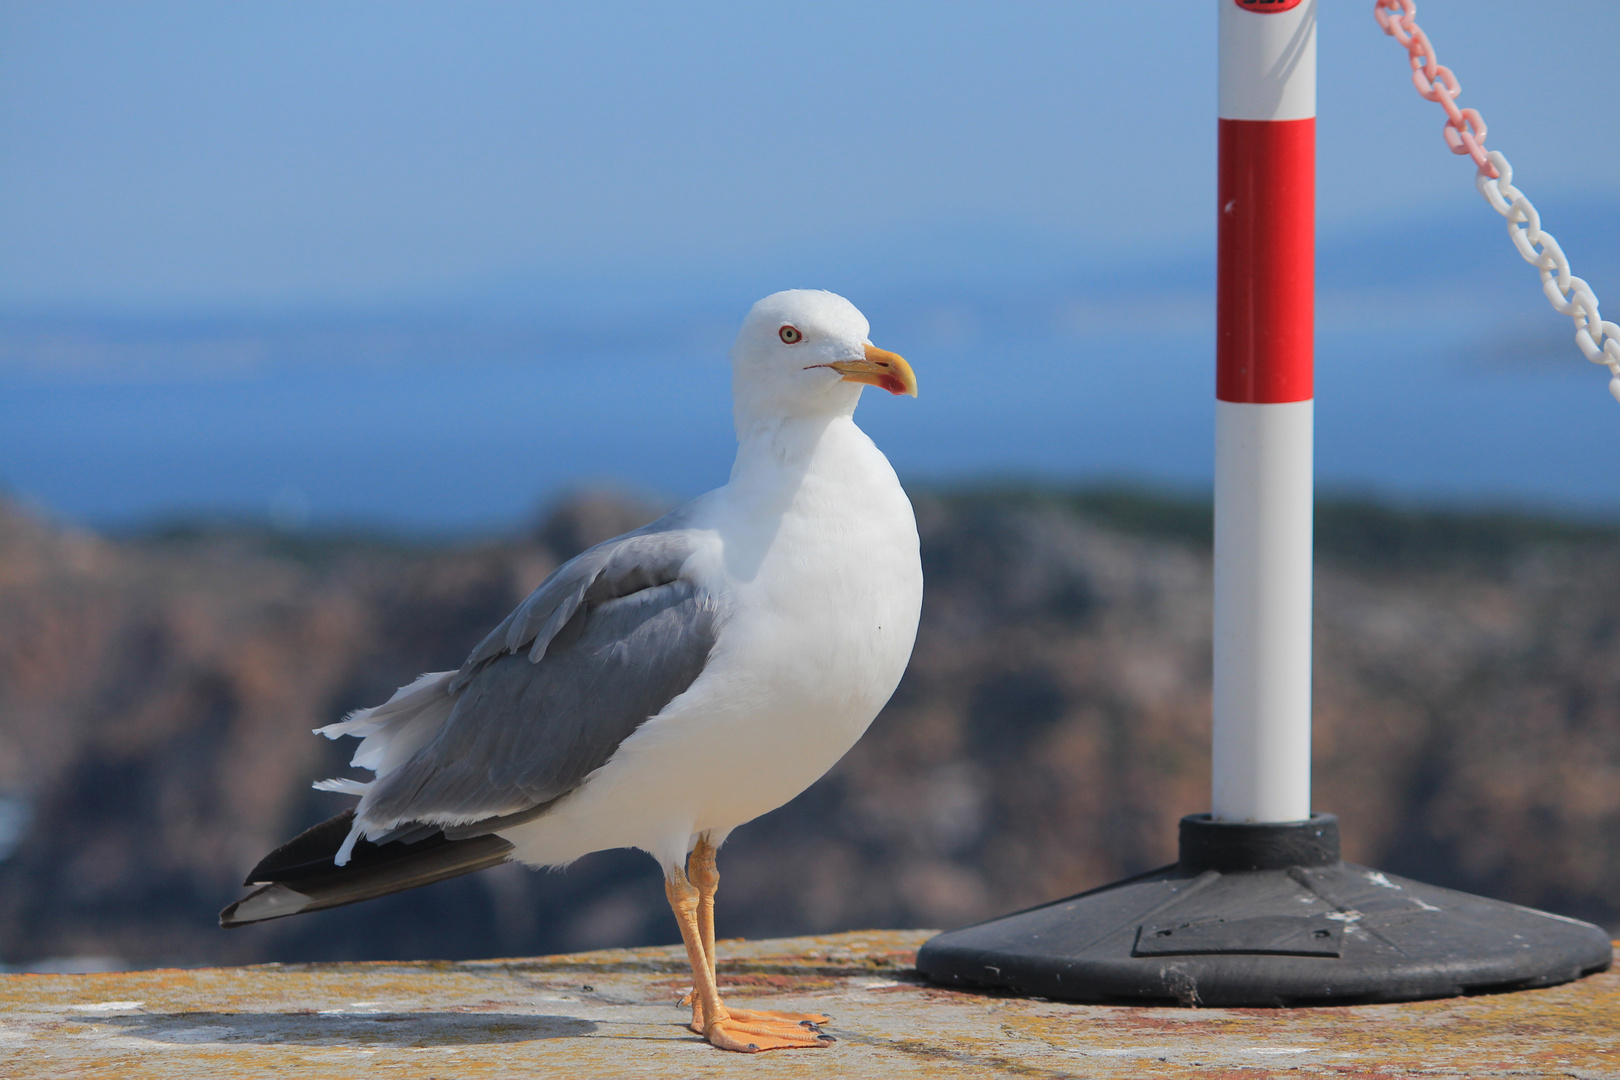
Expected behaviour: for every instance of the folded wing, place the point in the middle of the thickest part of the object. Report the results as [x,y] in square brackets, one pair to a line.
[605,643]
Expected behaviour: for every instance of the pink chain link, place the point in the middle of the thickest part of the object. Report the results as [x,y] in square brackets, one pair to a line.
[1465,128]
[1465,134]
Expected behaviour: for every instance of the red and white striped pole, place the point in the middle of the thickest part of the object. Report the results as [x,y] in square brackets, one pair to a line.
[1264,411]
[1158,934]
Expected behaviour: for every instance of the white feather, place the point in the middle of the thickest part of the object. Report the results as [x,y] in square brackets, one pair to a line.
[343,786]
[392,732]
[389,735]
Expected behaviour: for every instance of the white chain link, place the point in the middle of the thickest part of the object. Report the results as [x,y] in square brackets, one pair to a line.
[1465,133]
[1568,294]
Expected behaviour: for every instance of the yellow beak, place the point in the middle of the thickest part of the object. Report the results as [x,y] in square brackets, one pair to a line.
[879,368]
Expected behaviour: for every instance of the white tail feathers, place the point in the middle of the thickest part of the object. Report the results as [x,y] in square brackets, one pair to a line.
[393,731]
[343,786]
[343,853]
[389,735]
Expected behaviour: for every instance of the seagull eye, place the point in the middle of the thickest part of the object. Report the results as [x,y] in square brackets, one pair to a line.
[790,335]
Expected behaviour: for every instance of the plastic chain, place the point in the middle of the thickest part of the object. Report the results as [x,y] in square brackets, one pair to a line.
[1599,341]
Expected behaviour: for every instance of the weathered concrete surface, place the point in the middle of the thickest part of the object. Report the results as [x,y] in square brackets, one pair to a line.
[612,1014]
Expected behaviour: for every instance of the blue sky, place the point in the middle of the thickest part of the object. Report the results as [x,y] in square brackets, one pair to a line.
[426,265]
[206,157]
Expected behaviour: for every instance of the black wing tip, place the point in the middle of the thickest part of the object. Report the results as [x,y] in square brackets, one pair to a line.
[273,901]
[310,852]
[395,868]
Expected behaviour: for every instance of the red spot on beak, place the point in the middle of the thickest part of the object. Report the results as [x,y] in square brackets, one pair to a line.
[892,384]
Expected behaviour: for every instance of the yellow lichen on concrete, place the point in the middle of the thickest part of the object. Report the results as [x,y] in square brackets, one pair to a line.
[613,1014]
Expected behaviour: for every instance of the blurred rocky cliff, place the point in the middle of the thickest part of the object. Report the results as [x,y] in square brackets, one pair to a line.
[157,695]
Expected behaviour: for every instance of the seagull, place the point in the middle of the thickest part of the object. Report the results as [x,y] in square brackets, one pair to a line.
[665,686]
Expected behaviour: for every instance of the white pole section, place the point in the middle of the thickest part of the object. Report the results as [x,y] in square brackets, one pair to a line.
[1264,411]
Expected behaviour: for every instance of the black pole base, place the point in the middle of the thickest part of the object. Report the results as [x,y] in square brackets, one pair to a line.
[1266,915]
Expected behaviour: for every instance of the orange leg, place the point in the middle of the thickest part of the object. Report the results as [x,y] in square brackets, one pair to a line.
[706,876]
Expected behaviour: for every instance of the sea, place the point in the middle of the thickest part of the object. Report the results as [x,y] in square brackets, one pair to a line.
[1443,377]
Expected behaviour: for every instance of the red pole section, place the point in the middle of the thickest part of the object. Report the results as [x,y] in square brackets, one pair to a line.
[1266,262]
[1264,418]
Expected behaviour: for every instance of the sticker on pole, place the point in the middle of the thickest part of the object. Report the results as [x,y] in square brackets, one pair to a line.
[1267,7]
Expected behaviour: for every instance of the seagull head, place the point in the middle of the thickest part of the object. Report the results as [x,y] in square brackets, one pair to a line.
[807,351]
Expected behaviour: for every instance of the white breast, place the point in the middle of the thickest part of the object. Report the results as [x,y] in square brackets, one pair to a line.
[822,584]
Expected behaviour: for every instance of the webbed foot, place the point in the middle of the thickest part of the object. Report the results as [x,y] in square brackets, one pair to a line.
[751,1036]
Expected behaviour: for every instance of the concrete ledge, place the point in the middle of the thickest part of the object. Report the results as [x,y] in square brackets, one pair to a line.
[612,1014]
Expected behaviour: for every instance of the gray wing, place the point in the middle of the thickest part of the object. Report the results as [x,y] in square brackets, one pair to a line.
[602,645]
[647,558]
